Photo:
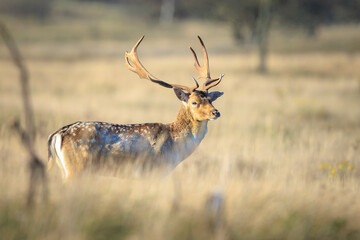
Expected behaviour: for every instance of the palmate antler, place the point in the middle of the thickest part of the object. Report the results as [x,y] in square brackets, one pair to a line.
[204,71]
[136,67]
[133,64]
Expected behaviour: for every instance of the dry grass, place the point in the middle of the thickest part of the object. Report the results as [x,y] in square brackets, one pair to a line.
[263,155]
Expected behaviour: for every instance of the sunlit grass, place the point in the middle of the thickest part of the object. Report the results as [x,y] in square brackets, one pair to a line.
[271,155]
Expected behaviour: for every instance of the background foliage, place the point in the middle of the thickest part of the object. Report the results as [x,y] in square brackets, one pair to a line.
[283,159]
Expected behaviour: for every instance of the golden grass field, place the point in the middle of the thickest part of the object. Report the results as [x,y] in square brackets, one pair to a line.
[284,155]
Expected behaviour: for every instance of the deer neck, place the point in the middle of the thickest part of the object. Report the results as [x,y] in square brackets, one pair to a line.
[185,127]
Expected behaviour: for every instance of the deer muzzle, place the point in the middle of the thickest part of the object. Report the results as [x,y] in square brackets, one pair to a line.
[215,114]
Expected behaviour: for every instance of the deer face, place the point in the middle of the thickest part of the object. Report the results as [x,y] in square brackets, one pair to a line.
[199,103]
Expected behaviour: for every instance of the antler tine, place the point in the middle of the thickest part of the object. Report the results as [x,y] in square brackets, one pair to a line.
[204,71]
[196,85]
[136,67]
[196,82]
[206,58]
[212,83]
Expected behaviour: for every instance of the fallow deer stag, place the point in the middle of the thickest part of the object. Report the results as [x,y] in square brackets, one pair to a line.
[75,146]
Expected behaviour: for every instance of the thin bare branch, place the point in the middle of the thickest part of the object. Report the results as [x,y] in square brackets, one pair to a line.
[37,169]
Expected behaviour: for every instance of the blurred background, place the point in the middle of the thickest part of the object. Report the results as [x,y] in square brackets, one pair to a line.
[279,26]
[282,162]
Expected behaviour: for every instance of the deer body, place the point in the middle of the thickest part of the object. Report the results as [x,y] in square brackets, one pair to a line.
[81,144]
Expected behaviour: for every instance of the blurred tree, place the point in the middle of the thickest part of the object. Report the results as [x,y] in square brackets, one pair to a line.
[251,19]
[242,15]
[33,8]
[307,14]
[347,10]
[27,134]
[311,14]
[167,12]
[196,9]
[262,32]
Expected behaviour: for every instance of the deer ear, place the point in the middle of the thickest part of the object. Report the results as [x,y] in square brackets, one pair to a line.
[215,95]
[182,96]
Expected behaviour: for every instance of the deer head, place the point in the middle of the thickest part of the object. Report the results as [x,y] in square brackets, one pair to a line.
[198,102]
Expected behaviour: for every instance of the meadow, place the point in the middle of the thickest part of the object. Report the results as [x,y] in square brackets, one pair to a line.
[284,156]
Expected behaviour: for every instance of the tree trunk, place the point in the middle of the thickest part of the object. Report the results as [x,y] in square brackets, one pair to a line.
[167,12]
[263,27]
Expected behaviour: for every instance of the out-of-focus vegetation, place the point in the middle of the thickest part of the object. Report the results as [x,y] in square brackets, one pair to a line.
[284,156]
[21,8]
[251,21]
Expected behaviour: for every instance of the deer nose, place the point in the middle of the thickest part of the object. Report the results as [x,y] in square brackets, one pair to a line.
[215,113]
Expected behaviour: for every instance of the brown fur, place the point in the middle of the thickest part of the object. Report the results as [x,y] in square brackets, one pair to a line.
[96,143]
[83,144]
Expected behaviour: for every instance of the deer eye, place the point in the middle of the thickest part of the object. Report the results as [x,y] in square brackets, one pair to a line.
[194,104]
